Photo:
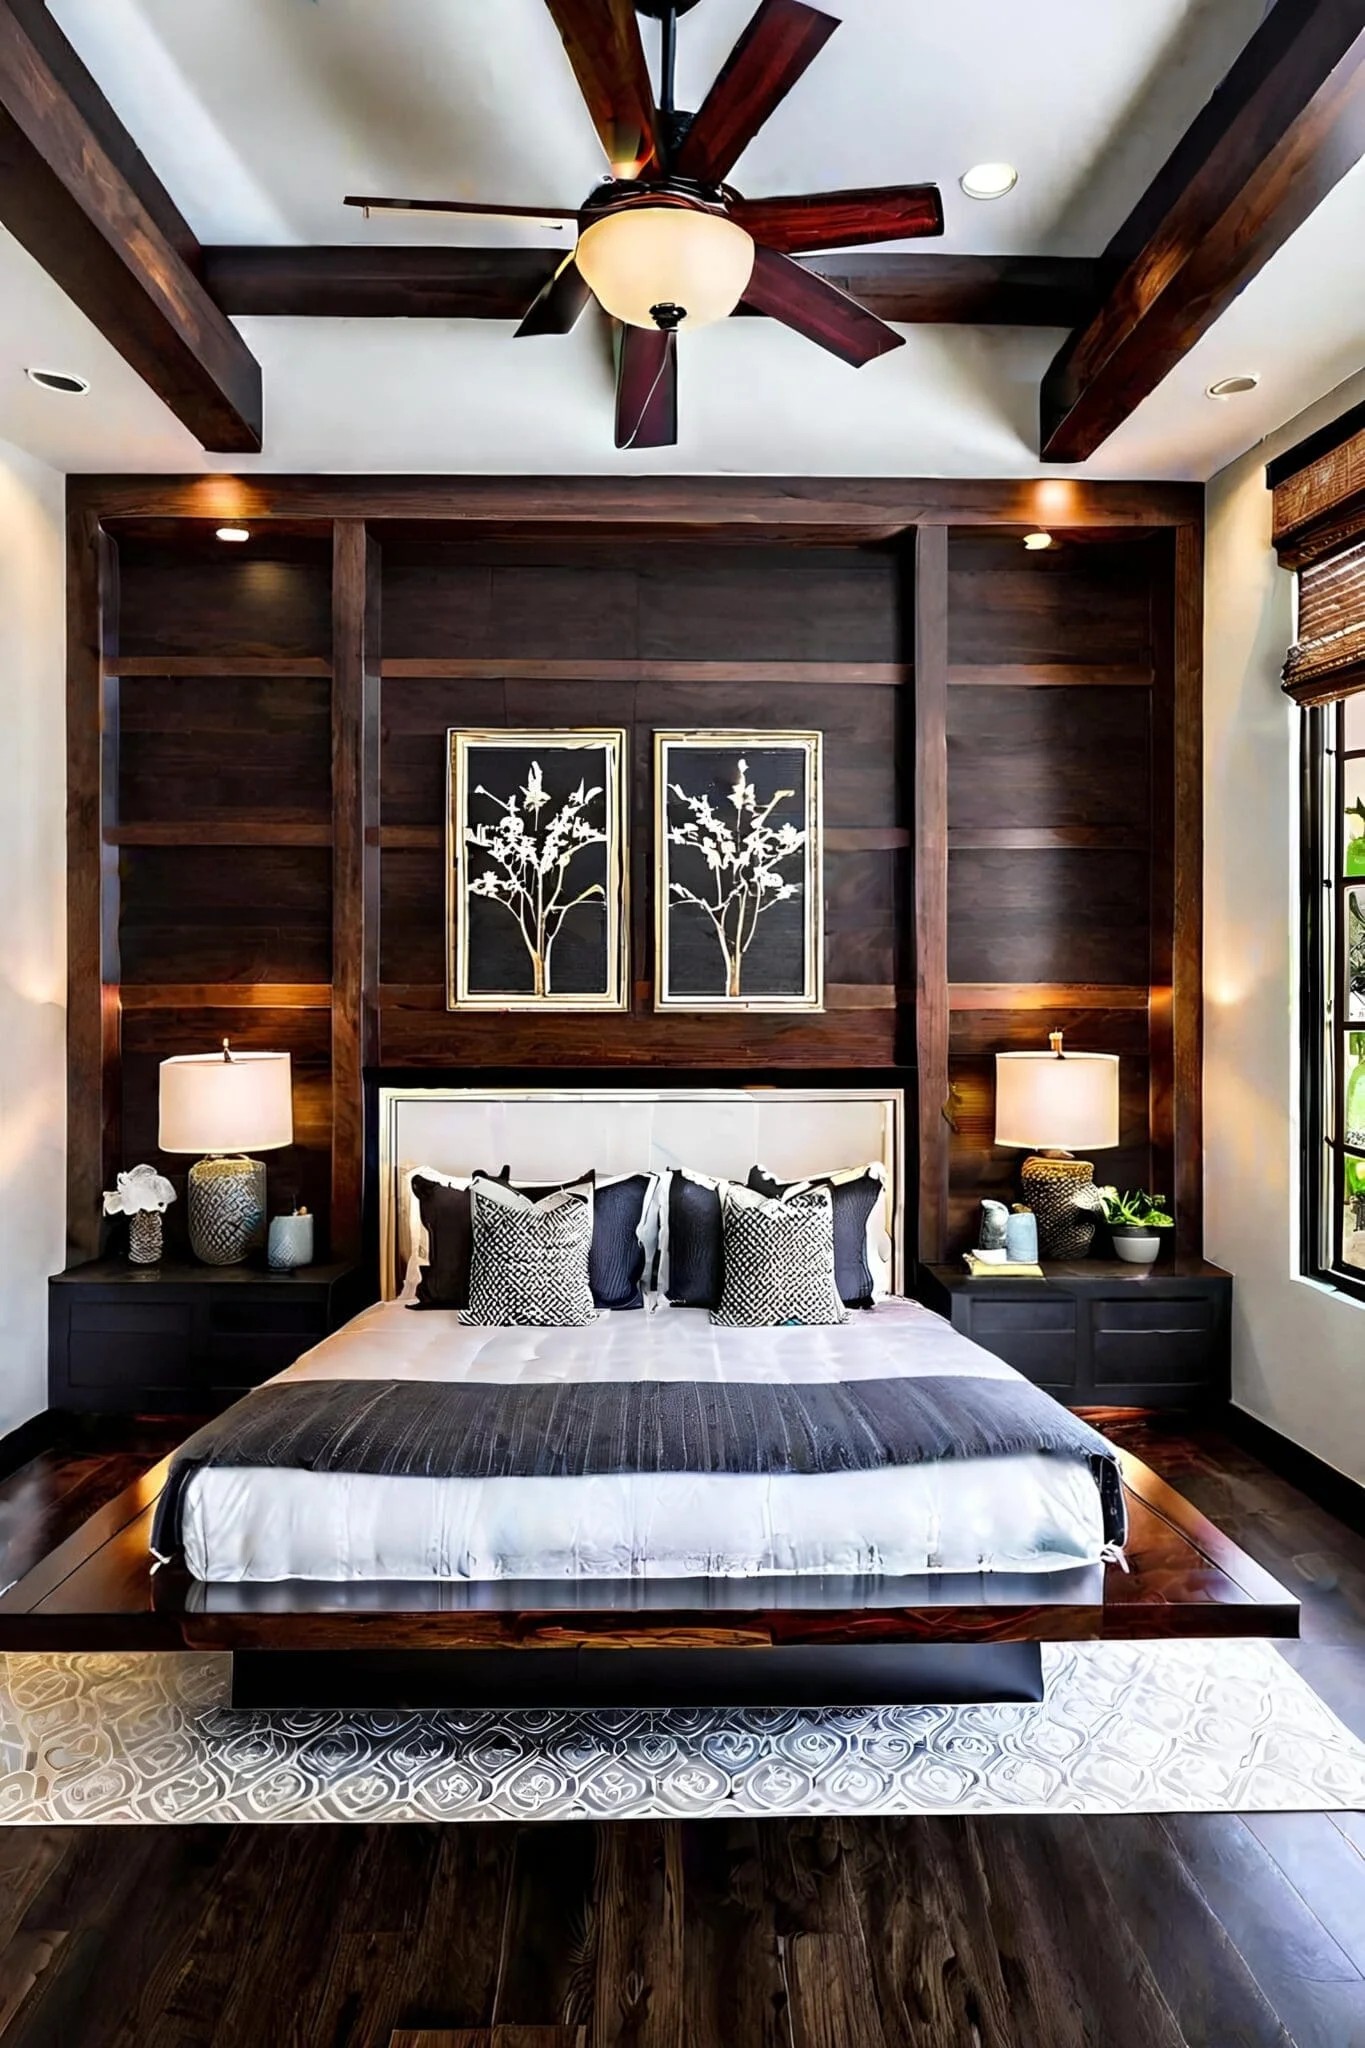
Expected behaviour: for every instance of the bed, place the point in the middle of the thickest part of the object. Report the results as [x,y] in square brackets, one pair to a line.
[1018,1512]
[928,1566]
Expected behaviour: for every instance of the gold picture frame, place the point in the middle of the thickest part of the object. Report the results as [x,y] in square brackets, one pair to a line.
[510,869]
[739,947]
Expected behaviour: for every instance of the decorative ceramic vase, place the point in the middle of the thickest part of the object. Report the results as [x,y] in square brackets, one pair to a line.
[1135,1245]
[144,1237]
[226,1202]
[291,1242]
[1021,1238]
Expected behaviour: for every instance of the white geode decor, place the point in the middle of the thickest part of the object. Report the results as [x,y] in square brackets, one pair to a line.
[142,1195]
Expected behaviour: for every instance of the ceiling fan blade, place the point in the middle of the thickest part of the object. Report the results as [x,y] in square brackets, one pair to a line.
[771,55]
[464,206]
[602,38]
[646,388]
[557,307]
[817,309]
[842,220]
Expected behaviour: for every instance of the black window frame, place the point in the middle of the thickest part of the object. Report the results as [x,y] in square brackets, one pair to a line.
[1327,1027]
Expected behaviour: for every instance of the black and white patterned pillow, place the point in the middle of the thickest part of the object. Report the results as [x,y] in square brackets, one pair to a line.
[530,1259]
[857,1194]
[779,1259]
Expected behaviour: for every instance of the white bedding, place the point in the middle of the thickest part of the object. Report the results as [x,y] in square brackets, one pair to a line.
[1021,1513]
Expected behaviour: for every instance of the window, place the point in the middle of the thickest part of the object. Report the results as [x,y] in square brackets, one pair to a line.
[1334,988]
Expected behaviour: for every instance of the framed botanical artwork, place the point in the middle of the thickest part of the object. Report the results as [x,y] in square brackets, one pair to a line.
[537,871]
[739,895]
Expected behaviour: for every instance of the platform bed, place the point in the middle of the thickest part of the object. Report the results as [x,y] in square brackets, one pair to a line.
[767,1626]
[685,1641]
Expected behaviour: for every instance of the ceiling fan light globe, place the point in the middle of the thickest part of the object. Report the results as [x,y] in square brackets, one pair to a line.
[675,256]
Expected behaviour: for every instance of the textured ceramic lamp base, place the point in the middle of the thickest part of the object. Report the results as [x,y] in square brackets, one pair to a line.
[226,1210]
[1051,1188]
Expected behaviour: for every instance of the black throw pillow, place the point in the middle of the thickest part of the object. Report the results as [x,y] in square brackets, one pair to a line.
[447,1219]
[696,1254]
[854,1200]
[616,1263]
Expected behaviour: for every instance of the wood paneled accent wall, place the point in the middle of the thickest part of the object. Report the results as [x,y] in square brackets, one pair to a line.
[257,742]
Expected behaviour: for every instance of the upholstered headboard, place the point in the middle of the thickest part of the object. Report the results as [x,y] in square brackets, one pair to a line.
[553,1133]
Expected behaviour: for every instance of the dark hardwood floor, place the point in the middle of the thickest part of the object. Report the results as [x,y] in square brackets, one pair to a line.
[1210,1930]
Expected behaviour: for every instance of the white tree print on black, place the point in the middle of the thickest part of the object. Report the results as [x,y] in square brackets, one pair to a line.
[532,858]
[745,863]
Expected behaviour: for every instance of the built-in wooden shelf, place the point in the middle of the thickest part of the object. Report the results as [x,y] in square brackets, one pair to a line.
[1036,675]
[226,995]
[226,665]
[417,668]
[1045,995]
[429,996]
[1042,839]
[221,832]
[837,838]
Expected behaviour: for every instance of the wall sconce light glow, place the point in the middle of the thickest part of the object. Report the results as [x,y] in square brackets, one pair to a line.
[1234,387]
[1036,542]
[236,533]
[989,181]
[1055,497]
[59,380]
[666,266]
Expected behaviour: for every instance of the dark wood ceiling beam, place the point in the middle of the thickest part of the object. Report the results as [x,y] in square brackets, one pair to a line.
[499,284]
[1284,127]
[79,196]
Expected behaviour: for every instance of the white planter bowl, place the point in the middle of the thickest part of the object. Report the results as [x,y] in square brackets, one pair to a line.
[1137,1247]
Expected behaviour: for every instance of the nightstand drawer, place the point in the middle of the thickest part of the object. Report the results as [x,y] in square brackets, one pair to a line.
[1038,1338]
[245,1362]
[1166,1342]
[131,1344]
[304,1321]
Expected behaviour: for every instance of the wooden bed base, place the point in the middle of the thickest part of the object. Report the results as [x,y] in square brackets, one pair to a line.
[99,1591]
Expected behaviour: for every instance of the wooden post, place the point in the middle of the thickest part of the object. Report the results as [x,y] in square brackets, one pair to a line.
[1176,1014]
[931,885]
[355,866]
[92,903]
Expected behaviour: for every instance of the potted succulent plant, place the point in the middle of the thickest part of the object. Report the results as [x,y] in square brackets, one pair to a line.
[1136,1221]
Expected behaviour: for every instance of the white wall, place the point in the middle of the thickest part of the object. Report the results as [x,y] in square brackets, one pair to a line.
[1298,1349]
[32,923]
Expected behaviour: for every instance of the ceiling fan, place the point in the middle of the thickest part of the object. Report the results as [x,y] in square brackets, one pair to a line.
[664,242]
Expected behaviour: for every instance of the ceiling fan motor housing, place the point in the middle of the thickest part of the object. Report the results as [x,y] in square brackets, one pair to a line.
[659,10]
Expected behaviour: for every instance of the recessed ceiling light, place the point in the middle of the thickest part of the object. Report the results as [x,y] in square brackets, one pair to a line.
[1036,542]
[989,181]
[1233,387]
[59,380]
[234,533]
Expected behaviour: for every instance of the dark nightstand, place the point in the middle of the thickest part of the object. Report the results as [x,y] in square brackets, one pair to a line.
[1100,1334]
[184,1339]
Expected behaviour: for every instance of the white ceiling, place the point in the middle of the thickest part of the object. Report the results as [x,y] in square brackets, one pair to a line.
[260,115]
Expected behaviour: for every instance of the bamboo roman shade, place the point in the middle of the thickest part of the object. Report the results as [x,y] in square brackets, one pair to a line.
[1327,660]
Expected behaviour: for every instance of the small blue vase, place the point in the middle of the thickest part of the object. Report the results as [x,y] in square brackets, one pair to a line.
[1021,1238]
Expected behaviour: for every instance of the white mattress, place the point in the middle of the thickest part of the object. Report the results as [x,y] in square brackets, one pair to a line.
[1019,1513]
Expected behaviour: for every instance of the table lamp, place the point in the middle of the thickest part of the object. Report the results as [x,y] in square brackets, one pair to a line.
[226,1104]
[1051,1104]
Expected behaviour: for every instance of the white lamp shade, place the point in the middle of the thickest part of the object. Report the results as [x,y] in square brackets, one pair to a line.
[647,256]
[213,1104]
[1057,1102]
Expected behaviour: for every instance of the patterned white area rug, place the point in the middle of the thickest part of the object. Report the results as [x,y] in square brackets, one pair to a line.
[1125,1728]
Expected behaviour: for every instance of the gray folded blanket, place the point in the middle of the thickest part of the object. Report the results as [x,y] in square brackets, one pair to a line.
[435,1430]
